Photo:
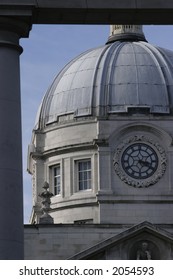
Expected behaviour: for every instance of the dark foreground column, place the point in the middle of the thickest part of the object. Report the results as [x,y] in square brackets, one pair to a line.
[11,191]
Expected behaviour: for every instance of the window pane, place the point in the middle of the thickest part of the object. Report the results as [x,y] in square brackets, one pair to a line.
[57,180]
[85,165]
[80,164]
[57,171]
[80,186]
[84,174]
[85,185]
[80,176]
[89,175]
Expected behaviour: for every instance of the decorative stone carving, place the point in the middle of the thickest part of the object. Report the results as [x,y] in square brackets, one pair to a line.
[118,29]
[143,252]
[46,196]
[145,249]
[139,183]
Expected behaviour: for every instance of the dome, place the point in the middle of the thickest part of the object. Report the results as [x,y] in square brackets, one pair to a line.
[120,77]
[103,134]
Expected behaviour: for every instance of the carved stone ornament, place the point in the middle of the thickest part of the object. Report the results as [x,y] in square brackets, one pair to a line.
[139,161]
[46,196]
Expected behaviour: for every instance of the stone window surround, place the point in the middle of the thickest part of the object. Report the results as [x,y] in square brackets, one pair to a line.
[72,170]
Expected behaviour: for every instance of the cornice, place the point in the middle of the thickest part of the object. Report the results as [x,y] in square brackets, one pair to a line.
[89,11]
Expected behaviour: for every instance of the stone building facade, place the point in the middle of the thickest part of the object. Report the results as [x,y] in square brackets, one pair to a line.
[103,142]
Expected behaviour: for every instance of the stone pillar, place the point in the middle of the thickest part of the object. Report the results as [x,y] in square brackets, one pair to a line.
[104,167]
[11,191]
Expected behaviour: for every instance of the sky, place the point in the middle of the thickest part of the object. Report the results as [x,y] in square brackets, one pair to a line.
[47,50]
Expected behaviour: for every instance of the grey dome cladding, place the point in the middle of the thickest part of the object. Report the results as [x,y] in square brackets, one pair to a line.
[111,79]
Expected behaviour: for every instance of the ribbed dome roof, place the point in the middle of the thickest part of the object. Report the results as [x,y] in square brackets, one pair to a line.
[111,79]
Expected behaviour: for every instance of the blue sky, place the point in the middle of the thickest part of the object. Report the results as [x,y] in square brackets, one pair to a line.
[47,50]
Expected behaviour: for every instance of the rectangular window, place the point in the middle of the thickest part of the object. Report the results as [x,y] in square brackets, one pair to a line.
[84,174]
[83,222]
[57,180]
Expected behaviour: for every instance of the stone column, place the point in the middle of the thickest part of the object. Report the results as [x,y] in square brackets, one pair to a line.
[104,167]
[11,191]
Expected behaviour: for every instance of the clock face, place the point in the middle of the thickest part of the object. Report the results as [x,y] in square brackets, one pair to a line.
[139,161]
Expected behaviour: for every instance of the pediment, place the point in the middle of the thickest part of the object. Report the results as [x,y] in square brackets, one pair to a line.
[126,244]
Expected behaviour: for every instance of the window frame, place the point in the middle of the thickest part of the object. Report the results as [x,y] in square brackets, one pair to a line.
[51,170]
[57,188]
[83,172]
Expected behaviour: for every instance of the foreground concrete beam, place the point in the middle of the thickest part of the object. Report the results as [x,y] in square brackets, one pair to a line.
[90,11]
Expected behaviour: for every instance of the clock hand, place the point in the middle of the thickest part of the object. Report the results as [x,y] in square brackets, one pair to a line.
[144,163]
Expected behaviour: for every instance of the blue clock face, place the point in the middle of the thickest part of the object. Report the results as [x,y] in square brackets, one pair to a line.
[139,161]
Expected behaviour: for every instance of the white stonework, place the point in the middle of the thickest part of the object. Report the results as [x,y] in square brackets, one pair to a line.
[101,103]
[121,29]
[109,242]
[108,191]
